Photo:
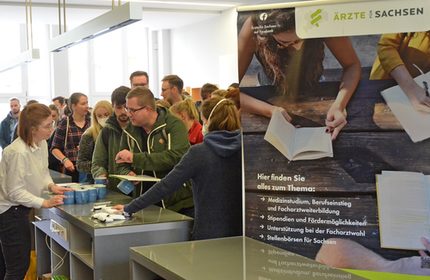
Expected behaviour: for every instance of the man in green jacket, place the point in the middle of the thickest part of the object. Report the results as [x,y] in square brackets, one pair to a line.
[152,144]
[108,142]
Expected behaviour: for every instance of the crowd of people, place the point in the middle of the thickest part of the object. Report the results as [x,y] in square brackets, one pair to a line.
[193,147]
[132,134]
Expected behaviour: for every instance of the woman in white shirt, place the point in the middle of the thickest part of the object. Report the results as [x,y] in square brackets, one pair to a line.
[24,174]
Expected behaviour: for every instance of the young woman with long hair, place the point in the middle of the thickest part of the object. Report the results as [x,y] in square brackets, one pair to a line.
[24,174]
[294,65]
[65,145]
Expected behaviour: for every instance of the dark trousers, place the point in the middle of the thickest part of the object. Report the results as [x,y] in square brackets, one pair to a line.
[74,174]
[187,212]
[15,241]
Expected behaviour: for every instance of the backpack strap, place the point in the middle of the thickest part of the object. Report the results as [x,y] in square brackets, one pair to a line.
[67,132]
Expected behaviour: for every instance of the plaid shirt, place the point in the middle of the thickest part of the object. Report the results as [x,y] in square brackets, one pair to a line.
[74,135]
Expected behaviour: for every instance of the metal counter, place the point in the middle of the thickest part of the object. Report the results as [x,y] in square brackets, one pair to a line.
[59,178]
[99,250]
[226,258]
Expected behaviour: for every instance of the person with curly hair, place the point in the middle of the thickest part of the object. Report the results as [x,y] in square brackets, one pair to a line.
[294,65]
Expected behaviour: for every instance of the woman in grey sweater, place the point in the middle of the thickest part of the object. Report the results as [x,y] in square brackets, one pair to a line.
[214,167]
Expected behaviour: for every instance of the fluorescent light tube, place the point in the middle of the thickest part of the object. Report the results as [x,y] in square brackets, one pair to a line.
[118,17]
[24,57]
[182,3]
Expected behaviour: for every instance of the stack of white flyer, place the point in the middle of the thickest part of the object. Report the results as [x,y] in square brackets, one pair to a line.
[404,209]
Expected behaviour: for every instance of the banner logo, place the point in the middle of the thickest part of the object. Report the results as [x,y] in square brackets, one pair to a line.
[353,18]
[263,16]
[316,17]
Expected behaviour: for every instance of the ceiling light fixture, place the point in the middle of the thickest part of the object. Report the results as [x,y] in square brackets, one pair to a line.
[30,54]
[118,17]
[188,3]
[24,57]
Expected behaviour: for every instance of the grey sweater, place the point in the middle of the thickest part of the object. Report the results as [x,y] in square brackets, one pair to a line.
[214,168]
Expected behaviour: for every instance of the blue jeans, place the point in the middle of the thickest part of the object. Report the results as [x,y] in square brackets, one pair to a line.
[15,241]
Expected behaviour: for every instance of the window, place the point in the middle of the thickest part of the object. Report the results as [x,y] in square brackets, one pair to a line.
[39,70]
[108,62]
[79,80]
[10,81]
[137,47]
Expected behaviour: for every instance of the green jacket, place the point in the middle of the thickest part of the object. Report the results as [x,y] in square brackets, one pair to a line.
[106,147]
[156,154]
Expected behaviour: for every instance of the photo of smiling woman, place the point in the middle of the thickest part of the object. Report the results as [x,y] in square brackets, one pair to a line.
[24,174]
[271,37]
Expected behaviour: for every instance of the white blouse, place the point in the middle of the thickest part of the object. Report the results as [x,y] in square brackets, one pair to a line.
[24,174]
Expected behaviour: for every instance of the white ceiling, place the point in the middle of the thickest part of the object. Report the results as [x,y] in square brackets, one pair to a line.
[161,14]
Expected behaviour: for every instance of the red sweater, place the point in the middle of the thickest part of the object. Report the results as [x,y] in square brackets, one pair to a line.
[195,135]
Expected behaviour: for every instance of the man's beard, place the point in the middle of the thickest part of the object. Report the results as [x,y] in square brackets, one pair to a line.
[123,118]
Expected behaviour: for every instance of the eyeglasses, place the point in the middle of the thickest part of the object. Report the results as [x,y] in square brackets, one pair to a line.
[132,111]
[49,126]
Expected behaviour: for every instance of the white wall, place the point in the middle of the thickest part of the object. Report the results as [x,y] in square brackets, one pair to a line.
[206,51]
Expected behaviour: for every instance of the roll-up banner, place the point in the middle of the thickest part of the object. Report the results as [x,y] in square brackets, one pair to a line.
[336,131]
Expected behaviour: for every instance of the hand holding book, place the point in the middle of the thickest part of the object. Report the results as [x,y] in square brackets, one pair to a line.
[404,106]
[302,143]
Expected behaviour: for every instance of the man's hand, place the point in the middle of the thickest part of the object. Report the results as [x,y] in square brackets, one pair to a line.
[119,207]
[124,156]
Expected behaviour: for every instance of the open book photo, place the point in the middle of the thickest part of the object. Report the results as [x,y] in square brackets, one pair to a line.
[137,178]
[415,123]
[404,209]
[304,143]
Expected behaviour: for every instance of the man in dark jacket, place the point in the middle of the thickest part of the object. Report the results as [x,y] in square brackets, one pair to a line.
[152,144]
[7,126]
[108,142]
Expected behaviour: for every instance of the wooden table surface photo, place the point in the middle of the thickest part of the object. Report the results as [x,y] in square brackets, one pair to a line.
[372,141]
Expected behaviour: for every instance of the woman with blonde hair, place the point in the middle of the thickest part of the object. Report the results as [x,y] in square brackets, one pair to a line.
[101,112]
[219,93]
[187,112]
[214,167]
